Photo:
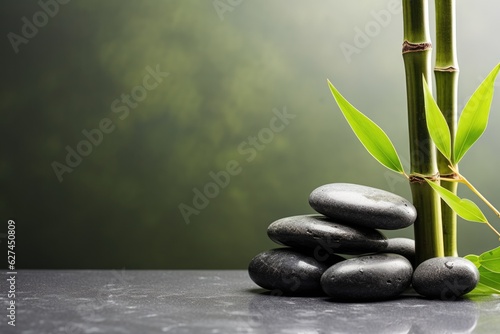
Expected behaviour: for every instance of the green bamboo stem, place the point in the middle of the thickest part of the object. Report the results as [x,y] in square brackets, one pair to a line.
[416,55]
[449,222]
[446,74]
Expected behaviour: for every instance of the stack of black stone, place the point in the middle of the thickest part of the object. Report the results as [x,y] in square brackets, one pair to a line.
[348,223]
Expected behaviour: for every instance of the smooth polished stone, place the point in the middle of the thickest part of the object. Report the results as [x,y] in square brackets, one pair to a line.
[402,246]
[445,278]
[362,205]
[322,234]
[368,278]
[289,271]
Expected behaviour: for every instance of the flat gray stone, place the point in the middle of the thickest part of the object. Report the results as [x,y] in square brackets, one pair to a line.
[368,278]
[445,278]
[362,205]
[289,271]
[325,236]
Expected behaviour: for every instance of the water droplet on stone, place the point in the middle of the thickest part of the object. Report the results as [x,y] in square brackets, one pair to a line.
[449,264]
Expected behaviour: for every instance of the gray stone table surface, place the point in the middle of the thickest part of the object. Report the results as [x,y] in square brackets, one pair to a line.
[135,301]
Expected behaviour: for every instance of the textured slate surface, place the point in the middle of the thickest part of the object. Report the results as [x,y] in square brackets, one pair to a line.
[124,301]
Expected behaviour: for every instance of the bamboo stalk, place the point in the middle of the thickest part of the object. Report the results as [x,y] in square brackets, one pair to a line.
[416,54]
[446,74]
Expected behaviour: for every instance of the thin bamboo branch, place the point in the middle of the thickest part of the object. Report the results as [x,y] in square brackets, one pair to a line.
[478,194]
[459,178]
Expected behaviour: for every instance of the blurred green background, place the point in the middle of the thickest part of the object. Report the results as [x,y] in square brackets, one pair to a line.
[232,66]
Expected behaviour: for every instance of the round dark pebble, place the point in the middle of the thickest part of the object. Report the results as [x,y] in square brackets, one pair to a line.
[323,235]
[402,246]
[446,278]
[368,278]
[362,205]
[289,271]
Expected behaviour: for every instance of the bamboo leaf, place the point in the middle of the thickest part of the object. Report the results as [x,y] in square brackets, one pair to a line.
[474,259]
[436,124]
[369,134]
[465,208]
[489,281]
[491,260]
[474,118]
[482,289]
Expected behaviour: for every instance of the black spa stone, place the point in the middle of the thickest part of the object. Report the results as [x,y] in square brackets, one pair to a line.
[402,246]
[289,271]
[323,235]
[368,278]
[362,205]
[446,278]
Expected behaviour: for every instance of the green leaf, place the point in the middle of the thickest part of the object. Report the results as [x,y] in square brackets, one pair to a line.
[489,279]
[483,289]
[369,134]
[465,208]
[491,260]
[473,258]
[436,124]
[489,282]
[474,118]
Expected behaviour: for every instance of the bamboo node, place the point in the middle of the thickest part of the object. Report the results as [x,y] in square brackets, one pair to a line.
[453,176]
[416,47]
[414,178]
[446,69]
